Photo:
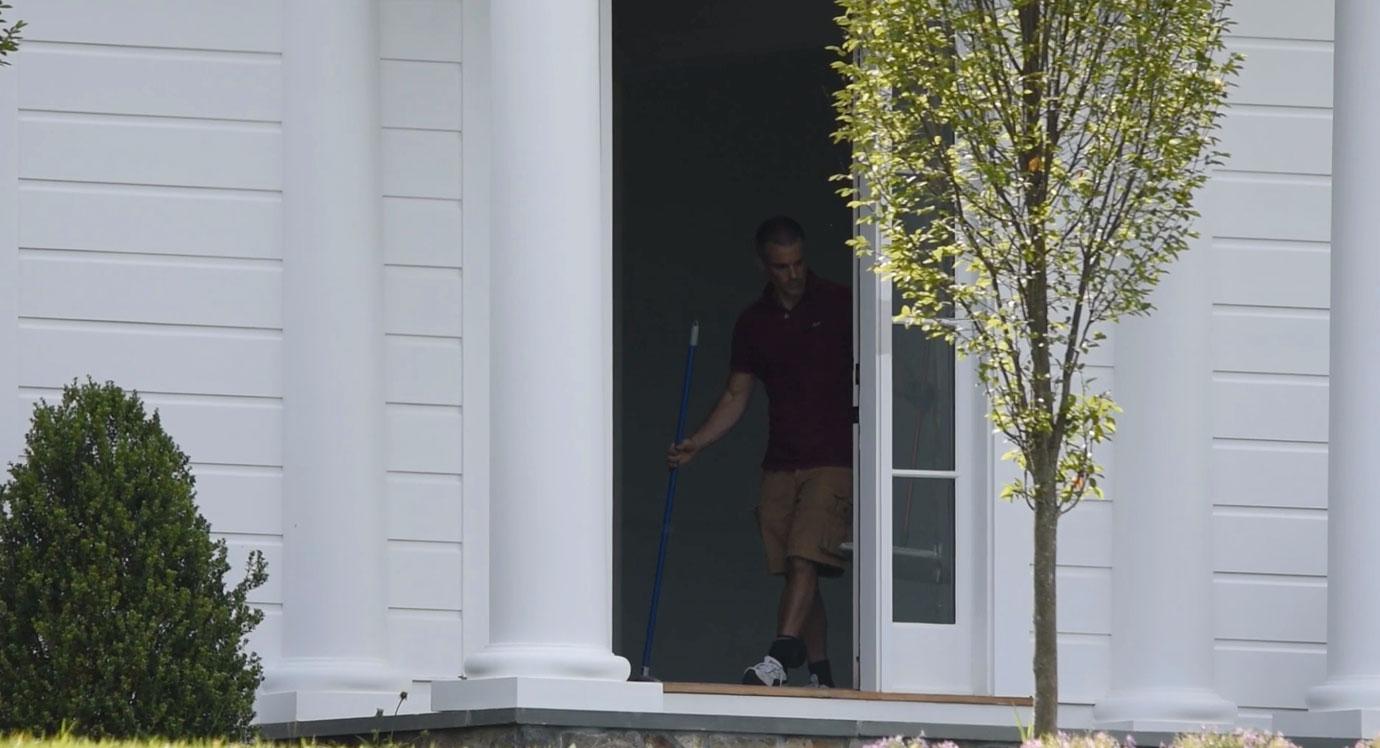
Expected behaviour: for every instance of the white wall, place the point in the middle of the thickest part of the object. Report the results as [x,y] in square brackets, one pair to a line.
[1270,227]
[150,253]
[1267,212]
[421,82]
[150,236]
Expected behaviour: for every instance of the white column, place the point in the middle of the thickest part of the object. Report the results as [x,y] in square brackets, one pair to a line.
[334,645]
[1162,627]
[1352,690]
[550,615]
[550,610]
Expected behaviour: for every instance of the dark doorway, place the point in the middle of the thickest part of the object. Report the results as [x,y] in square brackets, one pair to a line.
[722,117]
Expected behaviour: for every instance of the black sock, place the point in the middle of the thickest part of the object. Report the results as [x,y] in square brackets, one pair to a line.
[821,670]
[788,650]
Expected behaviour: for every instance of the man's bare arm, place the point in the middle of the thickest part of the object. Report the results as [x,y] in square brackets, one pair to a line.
[721,420]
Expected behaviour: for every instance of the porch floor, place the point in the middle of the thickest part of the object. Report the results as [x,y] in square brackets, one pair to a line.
[705,715]
[695,715]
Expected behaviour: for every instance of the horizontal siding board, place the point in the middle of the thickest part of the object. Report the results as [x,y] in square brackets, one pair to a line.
[1268,677]
[422,301]
[1279,411]
[421,29]
[148,151]
[225,431]
[1085,535]
[1270,475]
[1284,143]
[151,220]
[1269,543]
[424,507]
[195,292]
[1261,610]
[1283,74]
[240,500]
[247,25]
[423,438]
[421,163]
[422,232]
[1262,274]
[425,645]
[423,370]
[1084,668]
[1085,600]
[154,359]
[424,575]
[266,639]
[1272,208]
[237,553]
[1279,343]
[66,78]
[420,94]
[1283,19]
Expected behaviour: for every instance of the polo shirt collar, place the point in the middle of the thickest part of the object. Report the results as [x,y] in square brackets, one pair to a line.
[769,293]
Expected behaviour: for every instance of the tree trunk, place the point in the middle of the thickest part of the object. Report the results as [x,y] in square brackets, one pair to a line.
[1046,661]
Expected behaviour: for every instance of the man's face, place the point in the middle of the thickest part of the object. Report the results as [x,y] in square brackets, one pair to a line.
[785,265]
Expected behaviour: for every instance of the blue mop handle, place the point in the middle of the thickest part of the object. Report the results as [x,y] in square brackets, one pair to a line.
[670,500]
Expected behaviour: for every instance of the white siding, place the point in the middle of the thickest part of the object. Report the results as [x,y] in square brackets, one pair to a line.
[421,86]
[1268,214]
[1268,210]
[150,253]
[150,238]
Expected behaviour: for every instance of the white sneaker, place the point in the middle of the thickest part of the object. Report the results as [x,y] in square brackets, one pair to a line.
[768,672]
[814,682]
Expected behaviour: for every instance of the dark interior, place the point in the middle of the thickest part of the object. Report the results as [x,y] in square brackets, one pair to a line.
[722,117]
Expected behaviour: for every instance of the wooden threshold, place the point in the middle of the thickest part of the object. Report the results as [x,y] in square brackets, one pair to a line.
[732,689]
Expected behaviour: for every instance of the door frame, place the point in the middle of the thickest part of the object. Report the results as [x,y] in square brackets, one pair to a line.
[879,643]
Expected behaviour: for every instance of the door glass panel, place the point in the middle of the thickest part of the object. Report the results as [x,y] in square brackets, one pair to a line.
[922,402]
[922,553]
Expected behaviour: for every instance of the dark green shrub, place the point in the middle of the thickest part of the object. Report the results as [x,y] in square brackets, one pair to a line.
[114,619]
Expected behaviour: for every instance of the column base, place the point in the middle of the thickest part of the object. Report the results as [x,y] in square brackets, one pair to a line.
[1165,710]
[304,706]
[300,689]
[1352,693]
[546,693]
[546,661]
[1347,724]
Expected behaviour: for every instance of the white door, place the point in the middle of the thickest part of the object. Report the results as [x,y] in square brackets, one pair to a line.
[920,584]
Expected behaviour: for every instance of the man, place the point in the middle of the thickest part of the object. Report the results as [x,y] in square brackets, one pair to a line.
[796,339]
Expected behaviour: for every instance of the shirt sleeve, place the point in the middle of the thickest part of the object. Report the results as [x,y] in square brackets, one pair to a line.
[744,354]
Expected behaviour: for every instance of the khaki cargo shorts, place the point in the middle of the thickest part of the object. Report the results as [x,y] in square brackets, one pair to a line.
[807,514]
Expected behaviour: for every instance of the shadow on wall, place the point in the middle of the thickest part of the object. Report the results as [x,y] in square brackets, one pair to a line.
[706,148]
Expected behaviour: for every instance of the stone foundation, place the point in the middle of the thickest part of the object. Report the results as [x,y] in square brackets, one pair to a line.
[529,736]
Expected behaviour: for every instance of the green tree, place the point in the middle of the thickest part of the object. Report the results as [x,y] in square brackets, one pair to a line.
[114,616]
[1030,166]
[9,35]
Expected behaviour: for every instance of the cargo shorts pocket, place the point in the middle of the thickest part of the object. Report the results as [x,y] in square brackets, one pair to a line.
[839,526]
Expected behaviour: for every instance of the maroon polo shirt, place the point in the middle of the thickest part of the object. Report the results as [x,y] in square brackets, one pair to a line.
[804,357]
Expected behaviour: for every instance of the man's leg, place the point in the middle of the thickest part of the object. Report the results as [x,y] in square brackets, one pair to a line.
[798,597]
[816,631]
[816,636]
[774,520]
[821,522]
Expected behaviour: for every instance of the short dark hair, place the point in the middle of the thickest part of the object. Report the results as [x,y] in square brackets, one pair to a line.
[781,230]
